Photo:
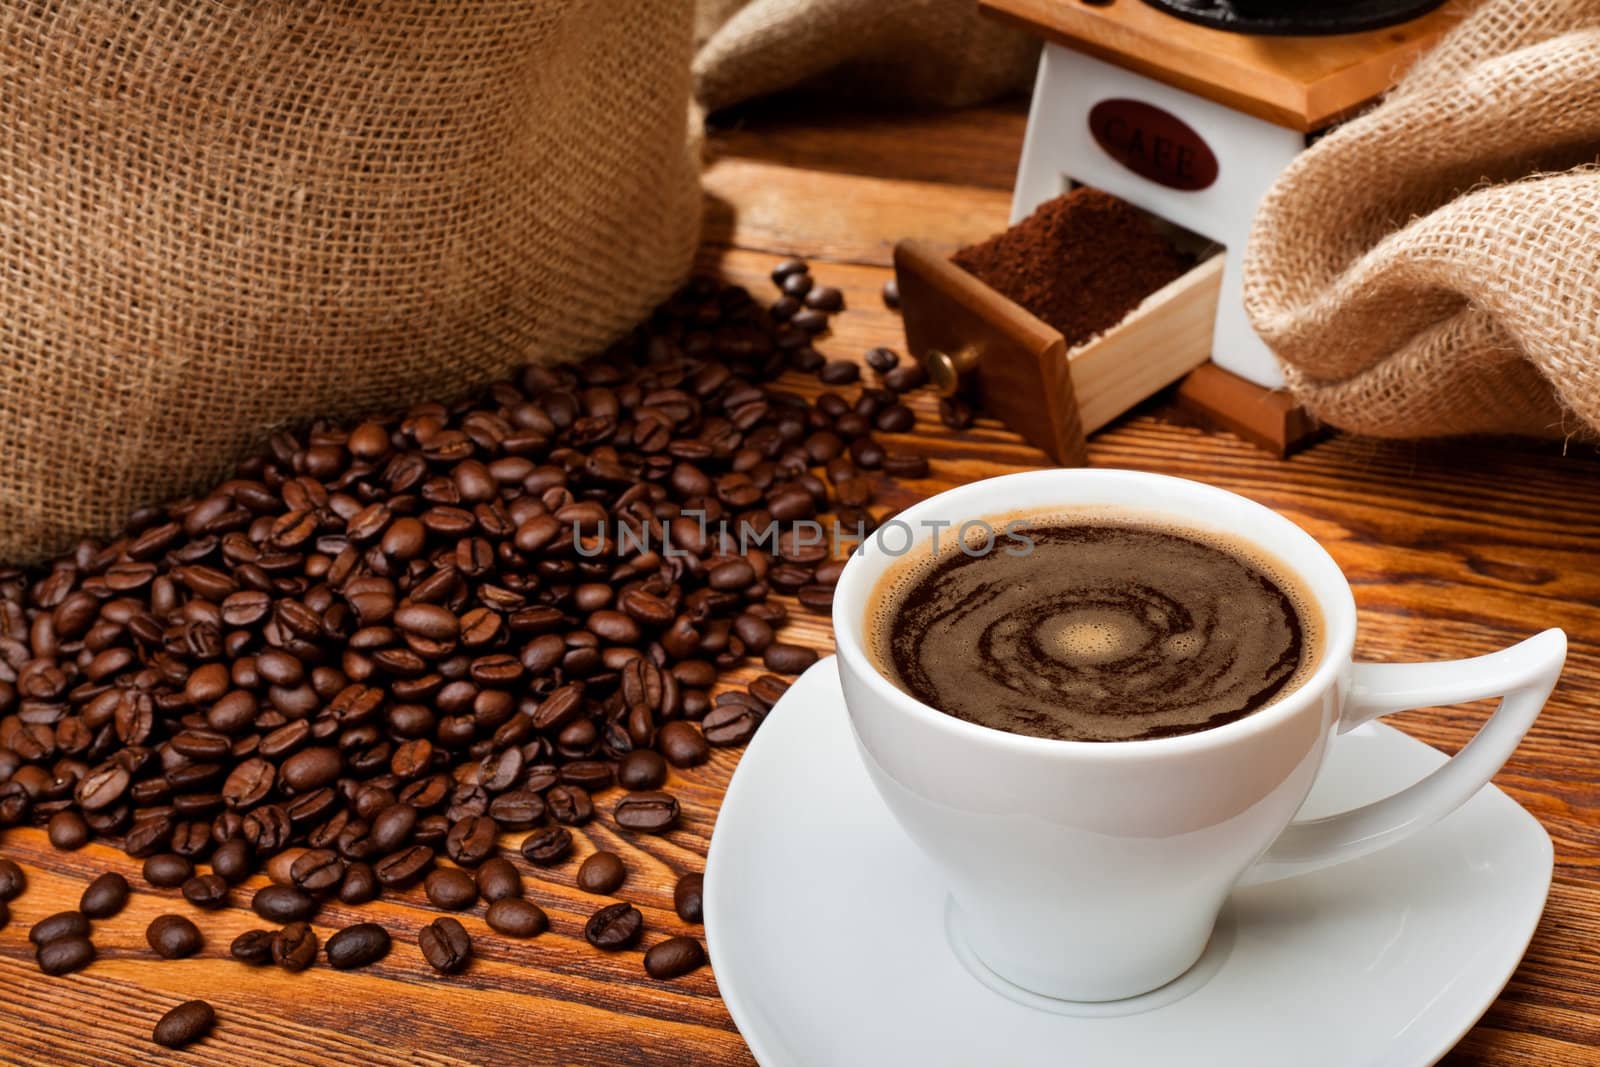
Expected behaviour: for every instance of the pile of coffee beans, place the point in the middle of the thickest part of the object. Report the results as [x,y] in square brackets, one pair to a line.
[383,645]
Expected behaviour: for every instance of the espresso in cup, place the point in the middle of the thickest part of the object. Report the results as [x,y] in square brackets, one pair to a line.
[1093,626]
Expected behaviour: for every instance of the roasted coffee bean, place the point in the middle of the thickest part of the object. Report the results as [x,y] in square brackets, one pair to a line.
[897,418]
[891,294]
[232,860]
[185,1024]
[882,360]
[674,958]
[569,805]
[294,948]
[647,812]
[809,321]
[682,744]
[317,870]
[548,846]
[788,267]
[358,946]
[825,298]
[283,904]
[392,827]
[687,898]
[12,880]
[797,283]
[601,873]
[105,896]
[399,870]
[905,378]
[310,769]
[516,917]
[61,924]
[471,840]
[592,775]
[102,788]
[253,947]
[498,880]
[642,769]
[905,465]
[839,372]
[519,809]
[785,658]
[451,888]
[173,937]
[730,724]
[63,955]
[168,870]
[955,413]
[360,884]
[207,891]
[68,832]
[614,927]
[446,945]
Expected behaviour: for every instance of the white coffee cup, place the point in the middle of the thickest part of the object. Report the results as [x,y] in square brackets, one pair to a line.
[1096,870]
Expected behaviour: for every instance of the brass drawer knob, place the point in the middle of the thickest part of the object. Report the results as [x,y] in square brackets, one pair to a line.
[949,372]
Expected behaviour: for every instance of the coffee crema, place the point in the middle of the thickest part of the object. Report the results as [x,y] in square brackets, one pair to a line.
[1112,628]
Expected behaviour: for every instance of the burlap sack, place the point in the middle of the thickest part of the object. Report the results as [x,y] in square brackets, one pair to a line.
[220,218]
[897,51]
[1433,267]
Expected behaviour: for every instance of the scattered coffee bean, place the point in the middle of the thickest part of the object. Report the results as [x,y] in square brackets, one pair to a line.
[905,465]
[470,841]
[167,870]
[825,298]
[64,955]
[687,896]
[674,958]
[294,948]
[12,880]
[768,689]
[955,413]
[516,917]
[398,870]
[614,927]
[569,805]
[360,884]
[546,847]
[682,744]
[797,283]
[283,904]
[786,268]
[785,658]
[816,597]
[891,294]
[173,937]
[905,378]
[839,372]
[61,924]
[647,812]
[185,1024]
[882,360]
[358,946]
[446,945]
[731,724]
[253,947]
[207,891]
[68,832]
[498,879]
[232,861]
[642,769]
[601,873]
[451,888]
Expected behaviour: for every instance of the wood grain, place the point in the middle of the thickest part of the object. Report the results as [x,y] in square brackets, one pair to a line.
[1304,83]
[1453,548]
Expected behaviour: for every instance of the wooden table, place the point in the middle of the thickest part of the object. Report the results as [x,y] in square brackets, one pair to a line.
[1453,549]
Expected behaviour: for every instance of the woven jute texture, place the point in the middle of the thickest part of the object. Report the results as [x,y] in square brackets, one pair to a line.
[1431,267]
[888,51]
[221,218]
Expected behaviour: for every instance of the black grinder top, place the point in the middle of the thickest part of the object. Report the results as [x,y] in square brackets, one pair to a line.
[1296,18]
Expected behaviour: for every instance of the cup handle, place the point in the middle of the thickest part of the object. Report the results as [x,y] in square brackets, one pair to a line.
[1524,673]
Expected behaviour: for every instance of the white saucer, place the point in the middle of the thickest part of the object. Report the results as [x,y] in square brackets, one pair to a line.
[827,929]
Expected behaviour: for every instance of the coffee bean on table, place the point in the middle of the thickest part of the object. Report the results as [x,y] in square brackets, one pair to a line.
[614,927]
[682,744]
[905,378]
[516,917]
[642,769]
[317,870]
[569,805]
[839,372]
[687,897]
[451,888]
[797,283]
[816,597]
[825,298]
[768,689]
[64,955]
[68,832]
[785,658]
[294,948]
[896,418]
[168,870]
[360,884]
[548,846]
[518,809]
[498,879]
[891,294]
[674,958]
[955,413]
[233,861]
[253,947]
[446,945]
[647,812]
[471,840]
[358,946]
[731,724]
[786,268]
[173,937]
[398,870]
[12,880]
[283,904]
[61,924]
[209,891]
[601,873]
[882,360]
[185,1024]
[905,465]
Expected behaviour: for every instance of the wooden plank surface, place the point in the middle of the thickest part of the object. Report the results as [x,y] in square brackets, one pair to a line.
[1300,82]
[1453,549]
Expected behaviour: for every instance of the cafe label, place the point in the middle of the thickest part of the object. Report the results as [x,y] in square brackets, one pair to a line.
[1153,143]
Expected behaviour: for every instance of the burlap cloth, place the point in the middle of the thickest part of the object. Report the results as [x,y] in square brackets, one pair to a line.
[1433,267]
[220,218]
[899,51]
